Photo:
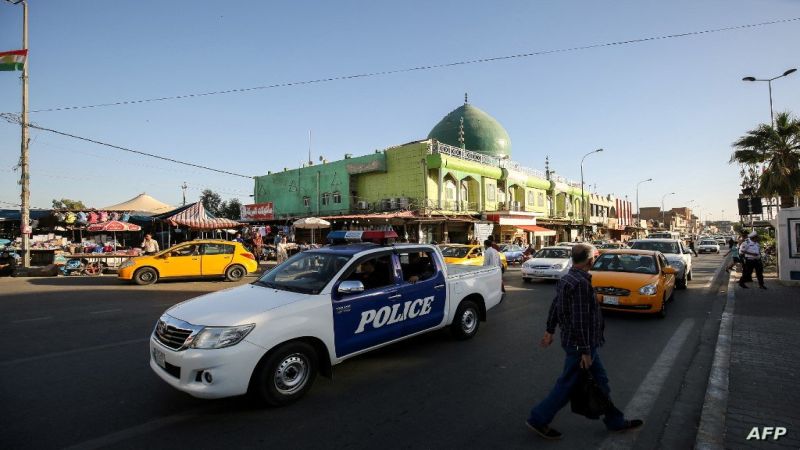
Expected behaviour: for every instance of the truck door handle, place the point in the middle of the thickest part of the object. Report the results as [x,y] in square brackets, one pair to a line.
[439,286]
[394,297]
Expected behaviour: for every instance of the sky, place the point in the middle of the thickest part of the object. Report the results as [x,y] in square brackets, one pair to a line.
[665,109]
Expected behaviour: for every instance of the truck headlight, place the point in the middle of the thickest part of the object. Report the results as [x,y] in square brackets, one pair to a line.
[220,337]
[650,289]
[127,263]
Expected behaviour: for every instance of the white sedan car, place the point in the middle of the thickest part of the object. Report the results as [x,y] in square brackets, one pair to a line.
[549,263]
[708,246]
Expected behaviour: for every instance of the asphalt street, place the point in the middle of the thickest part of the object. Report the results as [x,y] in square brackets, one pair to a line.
[75,373]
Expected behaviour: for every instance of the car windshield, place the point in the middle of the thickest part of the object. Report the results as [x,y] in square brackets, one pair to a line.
[611,262]
[708,243]
[554,253]
[306,272]
[455,252]
[663,247]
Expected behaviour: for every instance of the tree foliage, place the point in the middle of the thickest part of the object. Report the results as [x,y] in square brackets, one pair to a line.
[231,210]
[211,201]
[66,203]
[778,148]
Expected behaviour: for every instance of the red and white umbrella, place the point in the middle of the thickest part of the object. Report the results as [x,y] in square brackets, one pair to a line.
[113,226]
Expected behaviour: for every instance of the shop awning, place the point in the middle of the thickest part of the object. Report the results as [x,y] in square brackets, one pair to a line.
[537,230]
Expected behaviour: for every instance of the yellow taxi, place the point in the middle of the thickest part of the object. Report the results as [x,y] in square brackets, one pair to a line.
[639,281]
[468,255]
[199,258]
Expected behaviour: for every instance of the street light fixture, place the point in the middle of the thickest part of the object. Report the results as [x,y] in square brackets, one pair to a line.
[662,208]
[583,199]
[769,82]
[638,214]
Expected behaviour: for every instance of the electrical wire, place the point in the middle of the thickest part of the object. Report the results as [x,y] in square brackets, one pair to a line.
[13,118]
[423,67]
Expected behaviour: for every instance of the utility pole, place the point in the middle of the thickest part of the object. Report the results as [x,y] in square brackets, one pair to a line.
[25,197]
[183,188]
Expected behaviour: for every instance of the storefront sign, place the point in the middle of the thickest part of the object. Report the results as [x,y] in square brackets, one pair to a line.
[258,211]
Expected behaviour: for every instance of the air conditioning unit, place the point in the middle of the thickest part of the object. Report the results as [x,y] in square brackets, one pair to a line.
[517,206]
[394,203]
[362,205]
[403,202]
[385,204]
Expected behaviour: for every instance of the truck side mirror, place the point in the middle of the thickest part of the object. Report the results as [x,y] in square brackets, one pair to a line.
[350,287]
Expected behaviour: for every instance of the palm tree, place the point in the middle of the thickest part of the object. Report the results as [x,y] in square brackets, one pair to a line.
[778,148]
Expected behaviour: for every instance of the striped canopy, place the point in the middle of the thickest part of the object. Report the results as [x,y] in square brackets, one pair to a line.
[196,217]
[113,225]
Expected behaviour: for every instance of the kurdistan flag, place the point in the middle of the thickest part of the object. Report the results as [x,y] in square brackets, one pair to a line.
[13,60]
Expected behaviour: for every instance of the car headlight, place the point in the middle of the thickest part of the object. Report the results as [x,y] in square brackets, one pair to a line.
[650,289]
[127,263]
[557,266]
[220,337]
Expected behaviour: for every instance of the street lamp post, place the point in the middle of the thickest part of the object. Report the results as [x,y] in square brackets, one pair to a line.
[663,212]
[769,83]
[583,198]
[638,215]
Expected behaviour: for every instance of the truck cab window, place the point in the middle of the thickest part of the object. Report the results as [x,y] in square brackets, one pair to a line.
[417,266]
[373,273]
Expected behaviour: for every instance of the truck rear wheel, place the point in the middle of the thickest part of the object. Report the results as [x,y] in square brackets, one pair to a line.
[466,321]
[285,375]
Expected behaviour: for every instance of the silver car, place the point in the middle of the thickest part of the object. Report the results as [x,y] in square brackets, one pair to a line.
[677,253]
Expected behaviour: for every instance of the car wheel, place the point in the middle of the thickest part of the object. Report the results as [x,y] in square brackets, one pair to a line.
[466,321]
[662,313]
[681,284]
[235,273]
[689,276]
[527,280]
[145,276]
[285,375]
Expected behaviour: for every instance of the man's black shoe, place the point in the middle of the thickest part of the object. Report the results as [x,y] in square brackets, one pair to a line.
[743,286]
[544,431]
[762,286]
[629,425]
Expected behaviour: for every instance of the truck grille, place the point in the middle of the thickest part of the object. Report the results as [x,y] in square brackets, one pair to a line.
[619,292]
[171,336]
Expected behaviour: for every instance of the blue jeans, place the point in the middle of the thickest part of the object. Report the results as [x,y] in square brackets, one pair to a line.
[545,411]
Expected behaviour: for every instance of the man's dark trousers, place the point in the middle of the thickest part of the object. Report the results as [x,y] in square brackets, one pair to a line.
[545,411]
[747,271]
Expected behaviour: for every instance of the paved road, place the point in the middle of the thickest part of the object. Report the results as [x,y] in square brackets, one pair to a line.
[75,372]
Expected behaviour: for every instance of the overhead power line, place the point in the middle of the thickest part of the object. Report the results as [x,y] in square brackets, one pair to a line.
[422,68]
[13,118]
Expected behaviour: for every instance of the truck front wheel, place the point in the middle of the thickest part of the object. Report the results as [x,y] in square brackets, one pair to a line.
[466,321]
[285,375]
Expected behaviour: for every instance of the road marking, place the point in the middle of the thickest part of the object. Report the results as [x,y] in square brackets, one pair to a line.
[105,311]
[710,433]
[644,398]
[716,274]
[138,430]
[35,319]
[78,351]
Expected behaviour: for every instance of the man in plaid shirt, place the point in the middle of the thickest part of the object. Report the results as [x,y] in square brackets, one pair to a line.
[576,311]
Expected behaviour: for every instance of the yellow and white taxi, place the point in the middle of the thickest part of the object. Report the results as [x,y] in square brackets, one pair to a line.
[640,281]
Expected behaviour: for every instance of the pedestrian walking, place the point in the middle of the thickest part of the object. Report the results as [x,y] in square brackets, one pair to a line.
[750,252]
[282,254]
[691,246]
[734,252]
[149,245]
[576,312]
[491,258]
[258,245]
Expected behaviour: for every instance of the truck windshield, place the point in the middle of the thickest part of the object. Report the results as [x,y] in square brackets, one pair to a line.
[306,272]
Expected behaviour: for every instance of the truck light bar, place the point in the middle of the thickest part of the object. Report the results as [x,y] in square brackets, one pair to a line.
[349,237]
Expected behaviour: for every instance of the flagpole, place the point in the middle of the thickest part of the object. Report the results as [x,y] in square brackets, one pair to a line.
[23,161]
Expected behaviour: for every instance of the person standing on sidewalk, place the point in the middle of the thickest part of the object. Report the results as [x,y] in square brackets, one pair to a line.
[149,245]
[750,252]
[258,245]
[576,312]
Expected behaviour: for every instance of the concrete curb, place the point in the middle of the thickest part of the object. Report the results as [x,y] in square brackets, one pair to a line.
[711,431]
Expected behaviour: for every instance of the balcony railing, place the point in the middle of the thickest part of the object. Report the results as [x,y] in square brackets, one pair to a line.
[460,153]
[511,165]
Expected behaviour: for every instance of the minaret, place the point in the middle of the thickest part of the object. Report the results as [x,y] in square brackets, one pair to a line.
[547,167]
[461,132]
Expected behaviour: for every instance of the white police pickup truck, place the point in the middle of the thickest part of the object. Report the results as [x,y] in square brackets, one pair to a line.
[271,338]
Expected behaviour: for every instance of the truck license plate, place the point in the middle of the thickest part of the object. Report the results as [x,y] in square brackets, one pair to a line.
[159,357]
[610,300]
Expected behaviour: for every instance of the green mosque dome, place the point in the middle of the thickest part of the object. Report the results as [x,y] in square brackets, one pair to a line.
[481,132]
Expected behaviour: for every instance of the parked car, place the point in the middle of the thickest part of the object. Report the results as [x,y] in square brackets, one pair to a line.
[708,246]
[512,252]
[202,258]
[272,337]
[640,281]
[468,255]
[677,253]
[549,263]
